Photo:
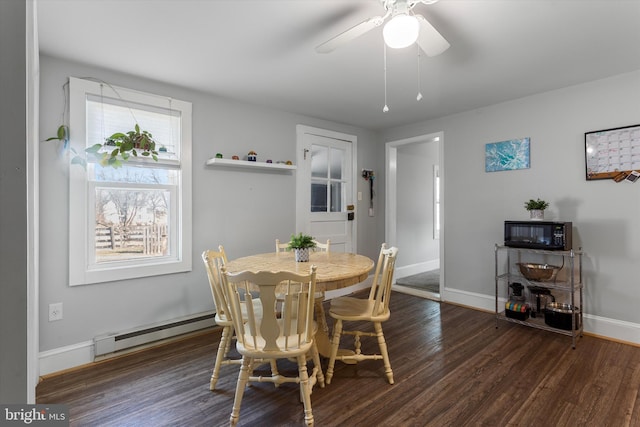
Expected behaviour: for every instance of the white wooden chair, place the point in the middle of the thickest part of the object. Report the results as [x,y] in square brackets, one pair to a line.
[214,261]
[281,247]
[323,247]
[374,309]
[265,334]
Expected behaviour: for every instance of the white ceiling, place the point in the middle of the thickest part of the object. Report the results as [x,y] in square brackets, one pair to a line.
[262,51]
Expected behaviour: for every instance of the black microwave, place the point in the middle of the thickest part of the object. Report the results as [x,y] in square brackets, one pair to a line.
[548,235]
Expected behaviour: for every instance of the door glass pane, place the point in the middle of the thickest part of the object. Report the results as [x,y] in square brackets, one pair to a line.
[337,161]
[319,161]
[336,196]
[318,197]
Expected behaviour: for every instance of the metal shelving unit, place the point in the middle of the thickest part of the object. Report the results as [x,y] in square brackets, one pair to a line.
[568,282]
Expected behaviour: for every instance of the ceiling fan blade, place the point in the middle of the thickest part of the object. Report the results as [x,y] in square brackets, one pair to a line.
[429,39]
[350,34]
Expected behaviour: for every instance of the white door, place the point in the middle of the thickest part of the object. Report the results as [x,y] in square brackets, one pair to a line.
[324,187]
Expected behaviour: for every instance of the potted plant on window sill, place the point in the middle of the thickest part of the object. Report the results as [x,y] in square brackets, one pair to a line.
[121,146]
[536,208]
[301,243]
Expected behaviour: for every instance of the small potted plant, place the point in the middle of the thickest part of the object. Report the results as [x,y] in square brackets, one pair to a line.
[301,243]
[120,146]
[536,208]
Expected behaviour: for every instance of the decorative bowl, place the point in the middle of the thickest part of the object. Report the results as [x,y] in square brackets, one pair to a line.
[538,272]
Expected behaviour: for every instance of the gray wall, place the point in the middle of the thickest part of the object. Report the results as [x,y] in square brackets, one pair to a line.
[414,199]
[242,210]
[13,210]
[605,214]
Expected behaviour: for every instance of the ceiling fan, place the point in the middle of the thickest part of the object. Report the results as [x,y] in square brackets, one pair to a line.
[412,27]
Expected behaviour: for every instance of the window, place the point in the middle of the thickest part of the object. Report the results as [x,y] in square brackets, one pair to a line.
[132,221]
[327,181]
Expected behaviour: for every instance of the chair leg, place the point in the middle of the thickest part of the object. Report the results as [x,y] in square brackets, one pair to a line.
[335,343]
[225,340]
[243,378]
[383,350]
[274,371]
[231,337]
[316,362]
[304,389]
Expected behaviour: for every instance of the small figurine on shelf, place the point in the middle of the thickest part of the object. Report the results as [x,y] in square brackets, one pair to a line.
[289,162]
[235,158]
[252,156]
[218,155]
[269,161]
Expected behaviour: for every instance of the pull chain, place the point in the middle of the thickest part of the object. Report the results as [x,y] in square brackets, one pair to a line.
[173,145]
[419,97]
[102,112]
[386,107]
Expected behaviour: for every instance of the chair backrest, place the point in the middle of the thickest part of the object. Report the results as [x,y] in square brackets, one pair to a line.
[323,247]
[267,329]
[383,278]
[214,261]
[281,247]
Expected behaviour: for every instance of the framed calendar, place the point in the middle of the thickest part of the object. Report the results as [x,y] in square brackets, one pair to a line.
[612,153]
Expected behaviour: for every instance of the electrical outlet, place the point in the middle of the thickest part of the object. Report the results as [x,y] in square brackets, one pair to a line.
[55,311]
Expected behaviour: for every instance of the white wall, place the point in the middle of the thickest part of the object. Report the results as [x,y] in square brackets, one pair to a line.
[414,199]
[605,214]
[242,210]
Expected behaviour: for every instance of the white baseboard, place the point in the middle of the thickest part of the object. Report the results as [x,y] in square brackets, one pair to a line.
[410,270]
[617,330]
[67,357]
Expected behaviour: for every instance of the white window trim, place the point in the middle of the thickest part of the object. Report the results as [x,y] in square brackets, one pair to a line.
[79,271]
[436,202]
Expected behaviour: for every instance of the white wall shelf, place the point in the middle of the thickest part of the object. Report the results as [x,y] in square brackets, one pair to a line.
[244,164]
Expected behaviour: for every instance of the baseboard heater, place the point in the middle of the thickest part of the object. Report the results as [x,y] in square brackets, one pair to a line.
[112,343]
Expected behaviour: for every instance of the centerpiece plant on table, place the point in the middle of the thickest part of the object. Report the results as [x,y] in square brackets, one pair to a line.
[301,243]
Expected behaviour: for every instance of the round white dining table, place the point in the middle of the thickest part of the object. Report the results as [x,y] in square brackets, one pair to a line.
[335,270]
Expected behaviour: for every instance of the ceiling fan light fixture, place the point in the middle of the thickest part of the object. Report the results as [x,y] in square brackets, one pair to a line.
[401,31]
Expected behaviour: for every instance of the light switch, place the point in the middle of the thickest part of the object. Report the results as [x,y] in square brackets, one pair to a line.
[359,195]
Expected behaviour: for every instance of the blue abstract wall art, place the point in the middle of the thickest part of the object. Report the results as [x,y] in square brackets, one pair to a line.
[507,155]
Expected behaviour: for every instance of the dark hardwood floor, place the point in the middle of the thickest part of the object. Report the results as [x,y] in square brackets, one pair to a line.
[452,367]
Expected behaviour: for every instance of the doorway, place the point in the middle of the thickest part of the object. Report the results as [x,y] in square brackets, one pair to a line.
[414,221]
